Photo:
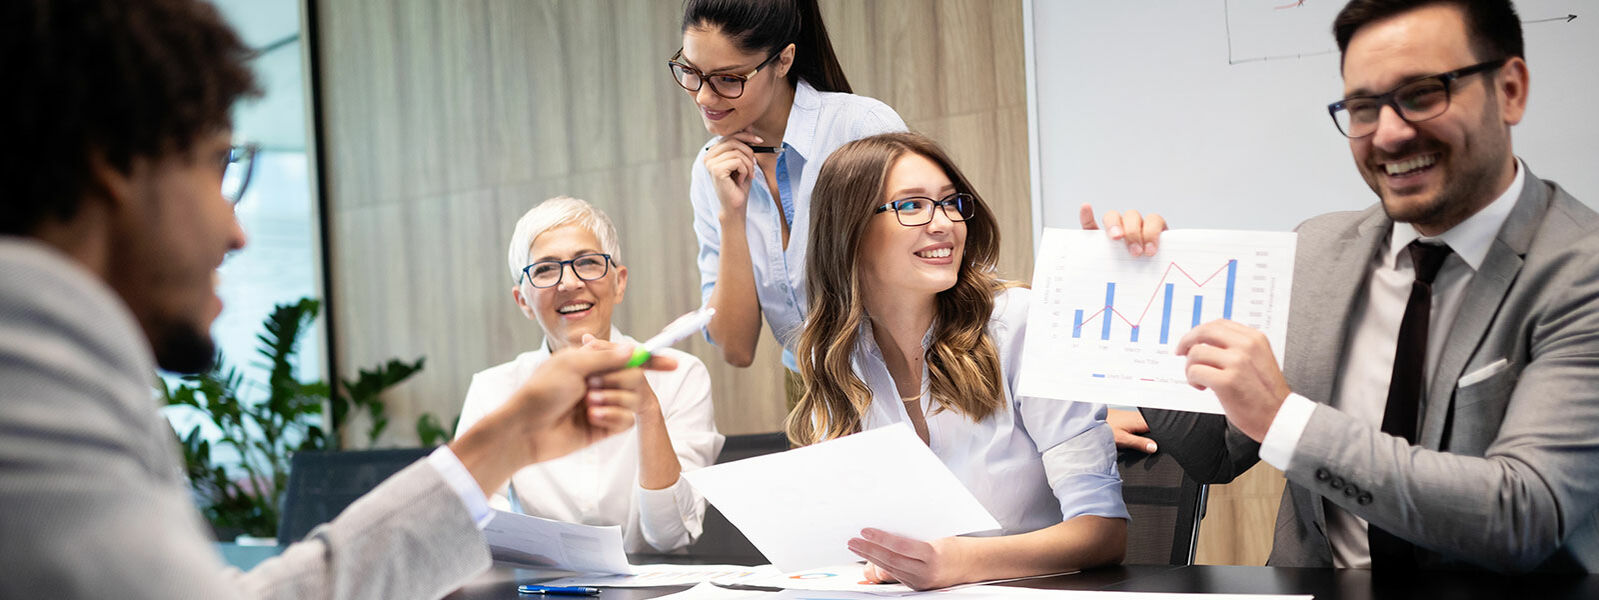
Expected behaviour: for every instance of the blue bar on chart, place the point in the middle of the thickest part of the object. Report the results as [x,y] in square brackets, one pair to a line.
[1135,334]
[1165,315]
[1077,324]
[1232,277]
[1199,301]
[1110,301]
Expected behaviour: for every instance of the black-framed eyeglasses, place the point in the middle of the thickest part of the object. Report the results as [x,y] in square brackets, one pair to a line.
[726,85]
[548,273]
[236,171]
[916,211]
[1414,101]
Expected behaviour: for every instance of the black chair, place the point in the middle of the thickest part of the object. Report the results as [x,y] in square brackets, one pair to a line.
[322,484]
[720,540]
[1166,506]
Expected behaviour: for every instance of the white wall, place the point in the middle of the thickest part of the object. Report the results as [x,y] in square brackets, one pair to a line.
[1213,113]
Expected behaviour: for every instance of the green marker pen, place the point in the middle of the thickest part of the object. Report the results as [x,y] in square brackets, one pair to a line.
[674,332]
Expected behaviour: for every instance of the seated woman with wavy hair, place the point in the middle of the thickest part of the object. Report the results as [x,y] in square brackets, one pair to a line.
[909,324]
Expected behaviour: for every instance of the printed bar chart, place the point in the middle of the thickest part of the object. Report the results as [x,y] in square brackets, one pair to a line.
[1103,325]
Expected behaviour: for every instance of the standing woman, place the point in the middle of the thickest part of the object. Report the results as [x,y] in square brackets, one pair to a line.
[909,324]
[766,82]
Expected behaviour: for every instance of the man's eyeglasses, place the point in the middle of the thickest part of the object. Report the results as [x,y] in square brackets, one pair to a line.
[1414,101]
[548,273]
[726,85]
[917,210]
[236,171]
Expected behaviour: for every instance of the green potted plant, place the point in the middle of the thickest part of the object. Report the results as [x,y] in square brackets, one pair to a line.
[294,416]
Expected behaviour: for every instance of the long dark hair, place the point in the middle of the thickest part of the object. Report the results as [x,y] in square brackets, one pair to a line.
[963,368]
[766,26]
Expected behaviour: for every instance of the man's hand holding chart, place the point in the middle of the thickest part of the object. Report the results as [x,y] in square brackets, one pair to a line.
[1105,325]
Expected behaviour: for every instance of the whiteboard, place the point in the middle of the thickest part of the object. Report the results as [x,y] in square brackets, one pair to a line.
[1213,112]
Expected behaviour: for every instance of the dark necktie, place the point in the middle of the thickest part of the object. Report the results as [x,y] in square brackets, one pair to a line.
[1405,386]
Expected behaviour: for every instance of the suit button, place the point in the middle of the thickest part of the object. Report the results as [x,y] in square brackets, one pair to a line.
[1322,475]
[1364,499]
[1350,491]
[1337,483]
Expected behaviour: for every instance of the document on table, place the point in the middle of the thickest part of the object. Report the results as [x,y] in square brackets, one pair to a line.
[555,544]
[801,507]
[1104,325]
[706,591]
[657,575]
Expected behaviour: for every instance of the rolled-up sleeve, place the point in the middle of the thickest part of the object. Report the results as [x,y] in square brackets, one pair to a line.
[1078,448]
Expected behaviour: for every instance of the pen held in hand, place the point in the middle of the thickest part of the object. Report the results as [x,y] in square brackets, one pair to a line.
[765,149]
[674,332]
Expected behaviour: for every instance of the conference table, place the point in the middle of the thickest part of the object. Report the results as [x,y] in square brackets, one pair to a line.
[1325,584]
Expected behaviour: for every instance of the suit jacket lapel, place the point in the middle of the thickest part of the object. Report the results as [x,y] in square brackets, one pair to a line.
[1484,295]
[1327,280]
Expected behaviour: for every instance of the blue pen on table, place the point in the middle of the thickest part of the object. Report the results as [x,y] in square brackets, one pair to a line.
[558,590]
[674,332]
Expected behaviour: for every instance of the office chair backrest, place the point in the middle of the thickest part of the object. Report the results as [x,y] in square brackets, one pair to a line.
[720,540]
[1166,506]
[322,484]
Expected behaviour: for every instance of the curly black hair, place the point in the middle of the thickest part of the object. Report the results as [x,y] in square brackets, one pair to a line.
[115,78]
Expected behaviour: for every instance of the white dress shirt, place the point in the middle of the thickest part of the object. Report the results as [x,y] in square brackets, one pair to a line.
[1033,463]
[1368,361]
[598,485]
[818,123]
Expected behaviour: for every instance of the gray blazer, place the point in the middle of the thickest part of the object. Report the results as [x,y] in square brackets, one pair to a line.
[93,503]
[1505,474]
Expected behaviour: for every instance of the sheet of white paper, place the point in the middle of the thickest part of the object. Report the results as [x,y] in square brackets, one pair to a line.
[1002,592]
[846,578]
[706,591]
[554,544]
[1104,325]
[801,507]
[654,575]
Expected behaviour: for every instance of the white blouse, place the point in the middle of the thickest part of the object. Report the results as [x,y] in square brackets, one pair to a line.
[1033,463]
[598,485]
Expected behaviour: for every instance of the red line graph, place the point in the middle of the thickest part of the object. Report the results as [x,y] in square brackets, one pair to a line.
[1155,293]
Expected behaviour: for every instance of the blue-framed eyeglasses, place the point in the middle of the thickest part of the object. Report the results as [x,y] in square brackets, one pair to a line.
[548,273]
[916,211]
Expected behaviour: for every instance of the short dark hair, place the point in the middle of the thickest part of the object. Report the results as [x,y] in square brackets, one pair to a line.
[110,77]
[1494,28]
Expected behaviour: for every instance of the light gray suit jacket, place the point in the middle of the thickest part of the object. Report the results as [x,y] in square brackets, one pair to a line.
[93,503]
[1505,474]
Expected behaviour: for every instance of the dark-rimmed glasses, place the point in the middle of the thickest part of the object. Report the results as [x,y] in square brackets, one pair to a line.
[236,171]
[726,85]
[1414,101]
[916,211]
[548,273]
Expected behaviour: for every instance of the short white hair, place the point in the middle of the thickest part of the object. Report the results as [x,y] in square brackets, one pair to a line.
[559,212]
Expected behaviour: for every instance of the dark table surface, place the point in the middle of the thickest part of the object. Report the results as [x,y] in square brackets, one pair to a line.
[1324,584]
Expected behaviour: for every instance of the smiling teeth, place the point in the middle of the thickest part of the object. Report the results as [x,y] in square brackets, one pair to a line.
[1397,168]
[939,253]
[572,308]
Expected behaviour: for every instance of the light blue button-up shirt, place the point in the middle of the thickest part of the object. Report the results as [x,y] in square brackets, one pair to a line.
[1034,462]
[818,124]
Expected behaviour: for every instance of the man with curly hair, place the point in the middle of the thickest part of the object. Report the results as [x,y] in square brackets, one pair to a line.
[111,230]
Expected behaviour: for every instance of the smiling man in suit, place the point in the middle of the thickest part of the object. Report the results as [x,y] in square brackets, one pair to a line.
[1441,401]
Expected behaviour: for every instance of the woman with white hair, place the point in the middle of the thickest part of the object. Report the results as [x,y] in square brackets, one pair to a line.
[566,264]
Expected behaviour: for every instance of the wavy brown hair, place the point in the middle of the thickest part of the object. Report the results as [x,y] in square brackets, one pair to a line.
[962,361]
